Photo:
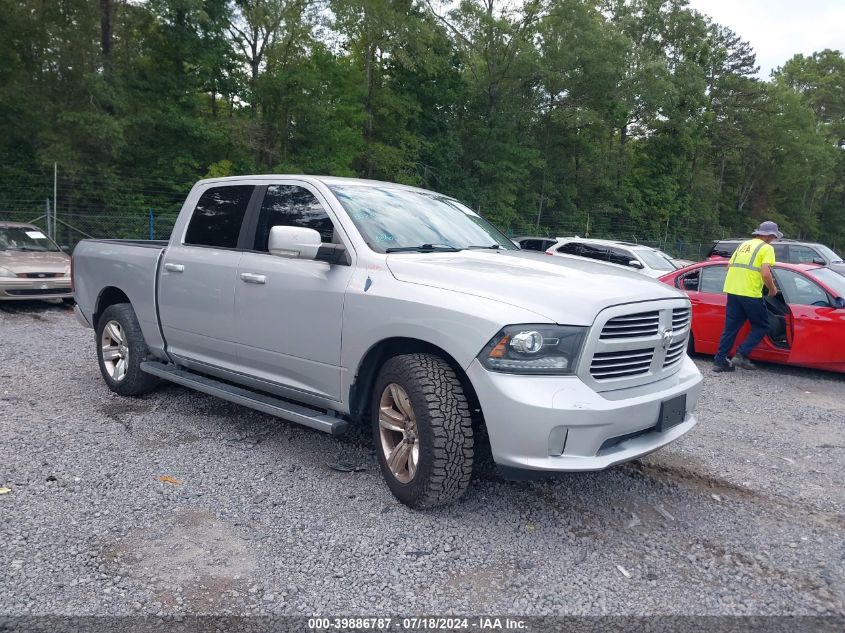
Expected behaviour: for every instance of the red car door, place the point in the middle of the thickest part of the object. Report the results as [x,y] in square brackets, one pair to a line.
[708,306]
[817,329]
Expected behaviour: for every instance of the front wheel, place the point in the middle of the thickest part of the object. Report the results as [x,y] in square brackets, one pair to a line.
[120,351]
[422,430]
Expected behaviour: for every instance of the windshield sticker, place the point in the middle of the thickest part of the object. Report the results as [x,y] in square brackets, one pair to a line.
[385,237]
[36,235]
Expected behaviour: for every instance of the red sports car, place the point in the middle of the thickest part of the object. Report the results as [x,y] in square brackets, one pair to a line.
[806,318]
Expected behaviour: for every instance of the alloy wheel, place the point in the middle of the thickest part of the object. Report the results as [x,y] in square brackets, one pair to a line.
[398,432]
[115,351]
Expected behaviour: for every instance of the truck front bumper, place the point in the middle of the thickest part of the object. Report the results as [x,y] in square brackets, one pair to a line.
[22,288]
[557,423]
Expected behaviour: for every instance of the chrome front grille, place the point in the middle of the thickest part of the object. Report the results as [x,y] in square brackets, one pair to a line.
[675,353]
[680,318]
[635,344]
[608,365]
[639,325]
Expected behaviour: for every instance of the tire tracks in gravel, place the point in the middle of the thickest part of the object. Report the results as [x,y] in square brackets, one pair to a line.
[825,585]
[708,484]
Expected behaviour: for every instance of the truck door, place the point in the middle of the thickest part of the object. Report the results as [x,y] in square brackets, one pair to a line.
[196,294]
[289,312]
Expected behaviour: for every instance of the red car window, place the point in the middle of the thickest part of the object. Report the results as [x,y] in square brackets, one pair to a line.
[689,281]
[800,290]
[713,279]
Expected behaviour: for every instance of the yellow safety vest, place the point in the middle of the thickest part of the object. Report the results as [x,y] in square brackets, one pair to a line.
[744,277]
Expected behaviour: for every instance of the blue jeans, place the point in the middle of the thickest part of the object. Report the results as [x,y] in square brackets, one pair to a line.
[738,311]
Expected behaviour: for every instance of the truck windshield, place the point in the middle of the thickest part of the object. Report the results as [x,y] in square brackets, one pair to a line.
[24,238]
[397,220]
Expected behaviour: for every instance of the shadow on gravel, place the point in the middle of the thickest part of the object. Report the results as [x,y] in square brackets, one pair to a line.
[778,371]
[36,310]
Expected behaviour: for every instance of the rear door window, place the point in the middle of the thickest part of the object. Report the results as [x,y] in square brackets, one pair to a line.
[218,217]
[571,248]
[713,279]
[690,281]
[594,252]
[291,205]
[802,254]
[781,252]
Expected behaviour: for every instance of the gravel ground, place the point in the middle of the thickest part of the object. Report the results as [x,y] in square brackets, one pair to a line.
[742,516]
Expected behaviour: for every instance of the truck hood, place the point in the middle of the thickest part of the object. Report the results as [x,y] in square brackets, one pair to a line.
[34,262]
[566,290]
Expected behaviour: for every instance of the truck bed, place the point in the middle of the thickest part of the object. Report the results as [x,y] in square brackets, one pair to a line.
[102,266]
[159,244]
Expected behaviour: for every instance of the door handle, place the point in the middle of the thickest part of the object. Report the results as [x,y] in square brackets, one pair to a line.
[253,278]
[174,268]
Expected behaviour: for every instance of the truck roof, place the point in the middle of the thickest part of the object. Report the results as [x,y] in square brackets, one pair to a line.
[326,180]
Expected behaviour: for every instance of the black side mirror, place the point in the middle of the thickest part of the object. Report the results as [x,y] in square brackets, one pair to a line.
[333,254]
[839,303]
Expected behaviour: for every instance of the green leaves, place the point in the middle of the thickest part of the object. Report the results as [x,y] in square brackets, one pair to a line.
[638,119]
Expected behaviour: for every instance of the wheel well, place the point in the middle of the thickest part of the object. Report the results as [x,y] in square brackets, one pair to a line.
[361,390]
[109,297]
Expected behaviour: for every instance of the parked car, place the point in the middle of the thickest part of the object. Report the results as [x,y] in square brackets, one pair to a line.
[534,243]
[786,251]
[806,318]
[645,259]
[328,300]
[32,266]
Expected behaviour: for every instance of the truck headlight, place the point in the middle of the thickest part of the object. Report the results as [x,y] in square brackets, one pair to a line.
[534,349]
[5,272]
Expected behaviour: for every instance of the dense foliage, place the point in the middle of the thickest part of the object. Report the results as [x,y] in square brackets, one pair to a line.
[630,118]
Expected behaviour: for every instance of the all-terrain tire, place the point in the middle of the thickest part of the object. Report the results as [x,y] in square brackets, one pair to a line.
[132,381]
[443,429]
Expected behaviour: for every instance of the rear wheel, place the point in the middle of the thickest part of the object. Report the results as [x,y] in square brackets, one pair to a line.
[120,351]
[422,430]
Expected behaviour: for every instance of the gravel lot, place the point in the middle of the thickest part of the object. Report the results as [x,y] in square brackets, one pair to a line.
[742,516]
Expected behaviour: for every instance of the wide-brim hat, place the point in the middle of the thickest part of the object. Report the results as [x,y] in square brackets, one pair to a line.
[768,228]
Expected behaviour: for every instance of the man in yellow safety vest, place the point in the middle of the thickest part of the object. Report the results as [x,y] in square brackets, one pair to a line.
[749,269]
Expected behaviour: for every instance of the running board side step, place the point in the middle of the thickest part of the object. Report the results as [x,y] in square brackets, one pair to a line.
[260,402]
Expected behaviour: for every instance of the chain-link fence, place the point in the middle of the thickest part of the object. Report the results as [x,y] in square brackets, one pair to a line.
[72,206]
[133,207]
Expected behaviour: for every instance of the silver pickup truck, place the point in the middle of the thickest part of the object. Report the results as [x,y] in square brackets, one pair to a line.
[330,301]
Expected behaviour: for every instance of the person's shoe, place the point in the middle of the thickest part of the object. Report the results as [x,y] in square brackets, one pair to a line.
[720,367]
[741,361]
